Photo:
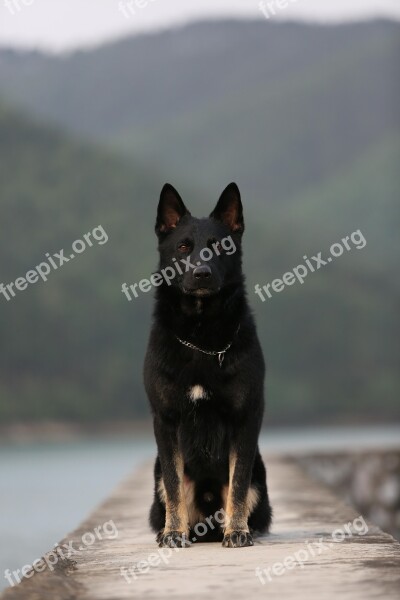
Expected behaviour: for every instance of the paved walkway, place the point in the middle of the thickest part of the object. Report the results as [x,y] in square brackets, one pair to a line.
[299,560]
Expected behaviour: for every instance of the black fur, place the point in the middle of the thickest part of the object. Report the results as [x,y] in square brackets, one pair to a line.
[207,307]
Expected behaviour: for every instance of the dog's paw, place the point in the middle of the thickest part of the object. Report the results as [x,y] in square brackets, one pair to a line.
[159,536]
[173,539]
[237,539]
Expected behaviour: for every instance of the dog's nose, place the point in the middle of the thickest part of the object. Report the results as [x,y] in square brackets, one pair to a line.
[203,272]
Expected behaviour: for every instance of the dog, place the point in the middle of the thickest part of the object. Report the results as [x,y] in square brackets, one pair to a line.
[204,377]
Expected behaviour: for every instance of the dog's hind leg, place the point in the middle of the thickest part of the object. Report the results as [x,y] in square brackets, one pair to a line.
[261,513]
[157,511]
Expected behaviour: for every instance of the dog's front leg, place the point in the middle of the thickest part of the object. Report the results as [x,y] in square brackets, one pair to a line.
[238,506]
[176,531]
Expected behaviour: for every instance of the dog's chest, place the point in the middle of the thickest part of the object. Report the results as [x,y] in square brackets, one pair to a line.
[197,393]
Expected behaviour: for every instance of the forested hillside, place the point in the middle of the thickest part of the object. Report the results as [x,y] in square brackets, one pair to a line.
[304,118]
[279,107]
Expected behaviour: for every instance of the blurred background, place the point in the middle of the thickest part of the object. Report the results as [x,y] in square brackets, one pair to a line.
[100,105]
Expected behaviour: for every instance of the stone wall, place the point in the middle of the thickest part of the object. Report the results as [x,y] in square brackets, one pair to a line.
[370,481]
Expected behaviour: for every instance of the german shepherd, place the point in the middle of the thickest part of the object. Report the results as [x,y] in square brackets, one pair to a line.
[204,376]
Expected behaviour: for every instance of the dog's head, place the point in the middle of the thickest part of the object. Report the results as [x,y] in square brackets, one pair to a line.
[204,254]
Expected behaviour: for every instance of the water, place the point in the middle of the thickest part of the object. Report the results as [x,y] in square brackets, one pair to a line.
[46,490]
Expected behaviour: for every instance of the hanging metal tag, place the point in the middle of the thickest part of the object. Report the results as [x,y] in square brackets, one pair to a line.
[221,357]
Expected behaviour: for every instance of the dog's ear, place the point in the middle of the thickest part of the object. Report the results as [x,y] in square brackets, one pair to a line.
[229,209]
[170,210]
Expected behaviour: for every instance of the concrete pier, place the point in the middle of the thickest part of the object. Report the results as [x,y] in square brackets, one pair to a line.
[319,548]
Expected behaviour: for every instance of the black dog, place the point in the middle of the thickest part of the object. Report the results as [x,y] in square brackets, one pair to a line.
[204,376]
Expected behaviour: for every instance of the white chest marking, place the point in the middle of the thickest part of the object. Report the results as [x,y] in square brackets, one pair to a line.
[197,392]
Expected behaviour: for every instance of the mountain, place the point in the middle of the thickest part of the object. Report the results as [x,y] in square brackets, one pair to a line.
[278,106]
[304,117]
[70,346]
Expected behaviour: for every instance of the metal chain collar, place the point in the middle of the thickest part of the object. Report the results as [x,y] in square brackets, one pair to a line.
[219,353]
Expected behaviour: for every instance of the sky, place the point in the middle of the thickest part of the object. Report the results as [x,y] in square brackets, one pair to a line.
[60,25]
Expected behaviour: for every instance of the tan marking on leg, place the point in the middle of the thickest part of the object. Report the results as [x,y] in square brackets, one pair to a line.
[177,518]
[237,515]
[162,491]
[231,510]
[252,500]
[195,516]
[224,495]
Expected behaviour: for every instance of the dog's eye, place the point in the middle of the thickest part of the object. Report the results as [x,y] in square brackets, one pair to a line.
[184,246]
